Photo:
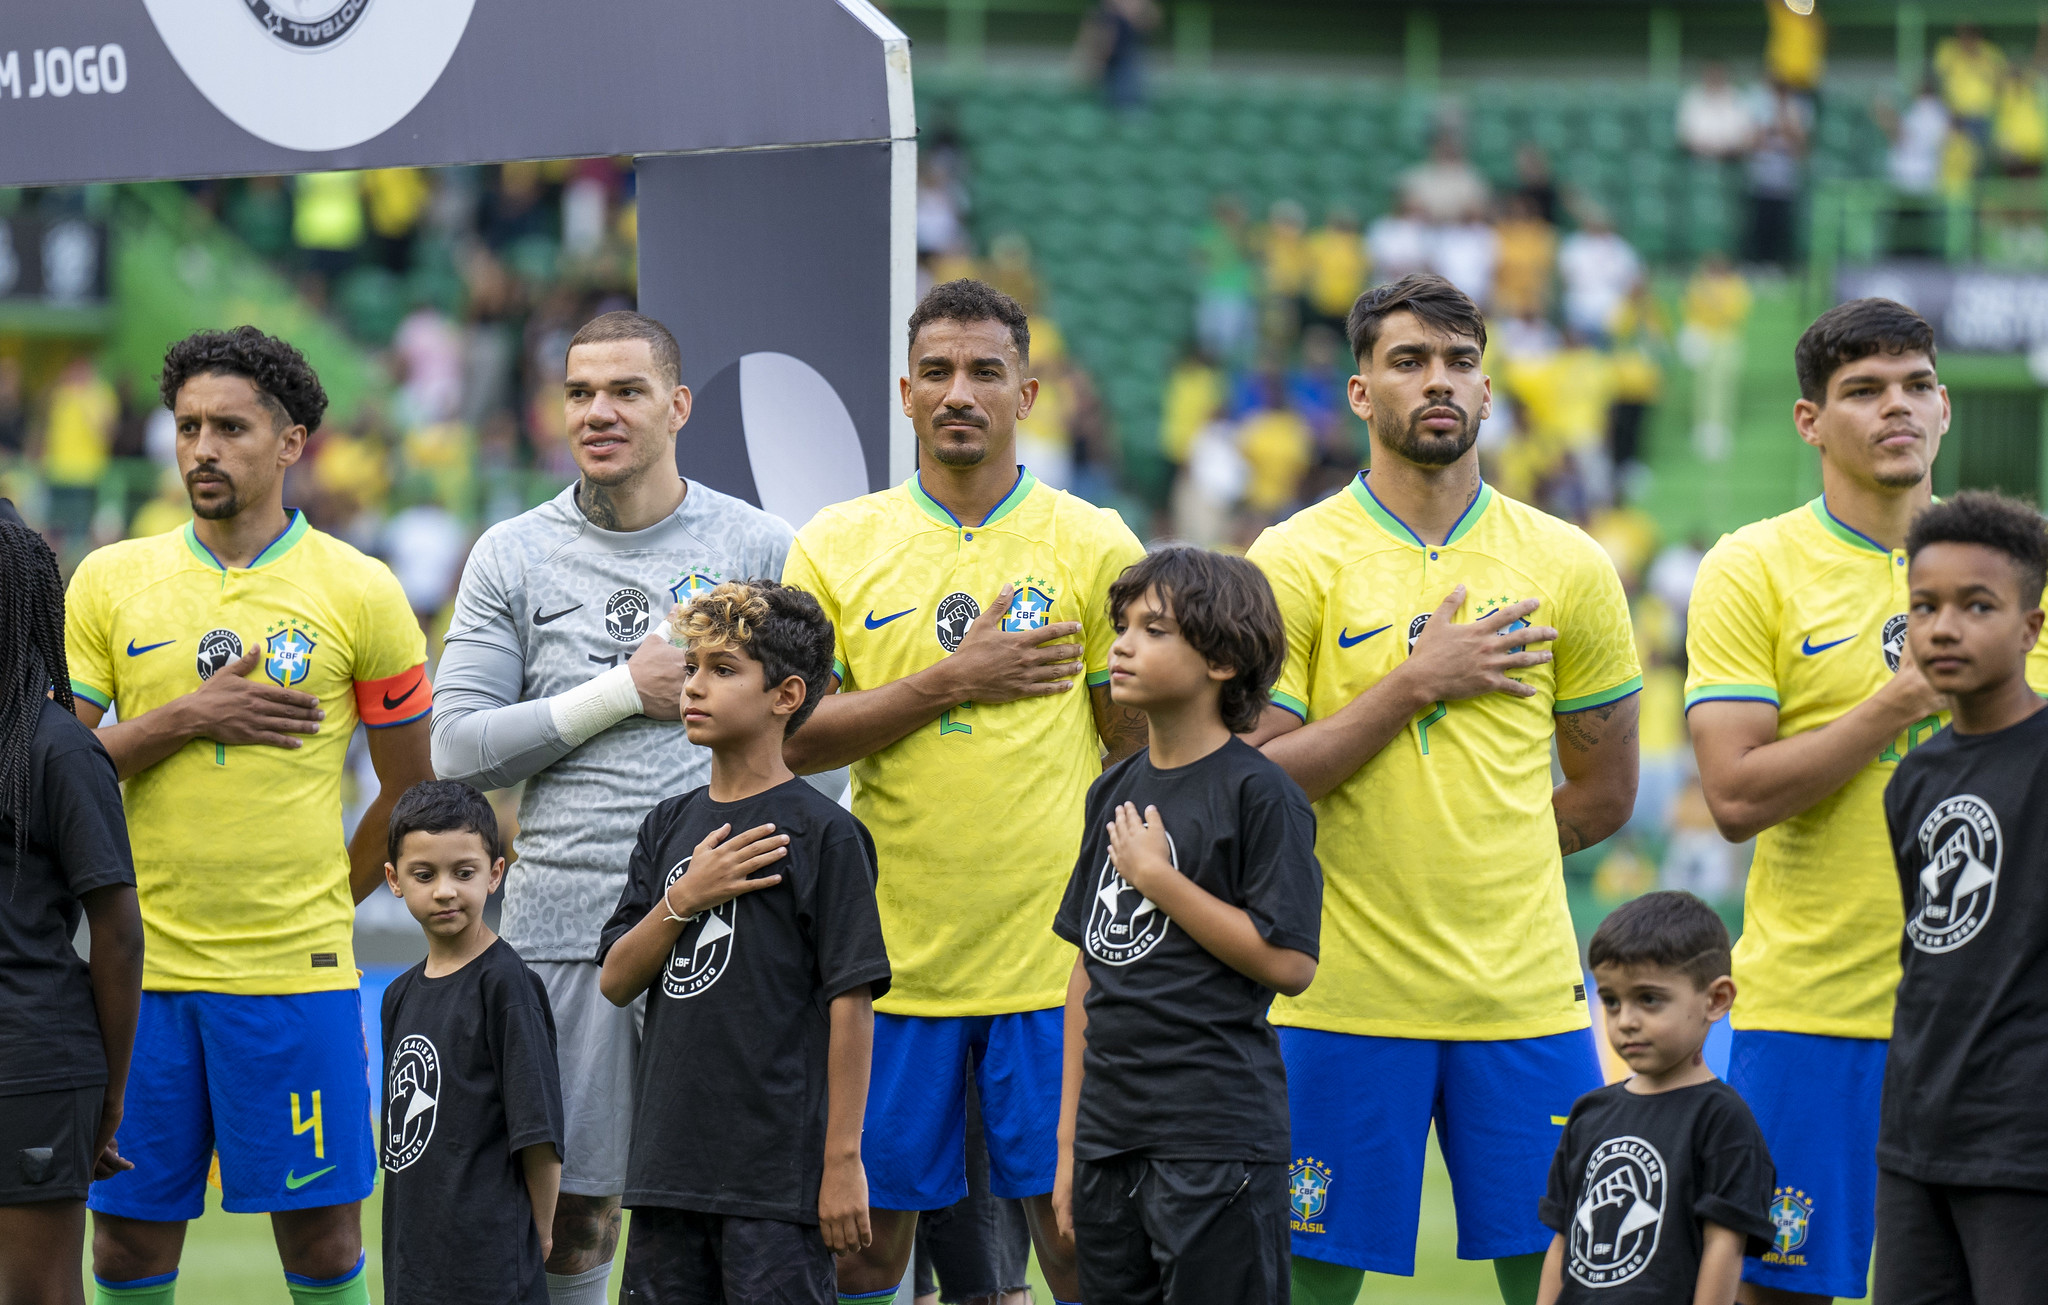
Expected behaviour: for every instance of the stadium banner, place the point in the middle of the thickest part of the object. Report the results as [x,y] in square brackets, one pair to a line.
[1972,309]
[134,90]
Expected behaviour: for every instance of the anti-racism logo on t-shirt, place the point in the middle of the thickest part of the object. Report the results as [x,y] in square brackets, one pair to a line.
[704,951]
[412,1100]
[1123,923]
[216,649]
[1893,641]
[956,612]
[1621,1212]
[625,615]
[1959,882]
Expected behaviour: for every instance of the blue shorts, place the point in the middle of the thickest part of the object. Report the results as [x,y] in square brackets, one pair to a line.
[915,1141]
[278,1086]
[1816,1099]
[1361,1109]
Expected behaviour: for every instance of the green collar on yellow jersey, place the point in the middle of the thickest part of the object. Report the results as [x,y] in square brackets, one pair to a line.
[938,512]
[1402,531]
[1847,534]
[272,551]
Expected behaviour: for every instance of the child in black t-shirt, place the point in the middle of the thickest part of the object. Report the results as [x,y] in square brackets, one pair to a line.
[749,919]
[1195,898]
[472,1148]
[1662,1182]
[1962,1141]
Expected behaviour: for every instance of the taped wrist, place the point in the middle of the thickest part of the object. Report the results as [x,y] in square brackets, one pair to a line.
[594,706]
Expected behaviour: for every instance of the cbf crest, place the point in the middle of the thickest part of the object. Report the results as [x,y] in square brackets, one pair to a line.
[1959,883]
[1791,1215]
[1030,605]
[1308,1193]
[1123,923]
[288,653]
[1621,1212]
[411,1100]
[690,585]
[703,953]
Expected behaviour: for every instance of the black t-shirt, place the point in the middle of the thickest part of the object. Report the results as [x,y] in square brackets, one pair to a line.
[730,1109]
[470,1080]
[77,841]
[1180,1062]
[1635,1176]
[1966,1079]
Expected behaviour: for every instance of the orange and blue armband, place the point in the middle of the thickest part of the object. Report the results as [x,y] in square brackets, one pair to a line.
[396,700]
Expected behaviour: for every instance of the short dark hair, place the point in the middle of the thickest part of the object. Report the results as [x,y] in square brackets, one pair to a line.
[280,373]
[441,806]
[1855,330]
[1433,300]
[1226,612]
[968,300]
[626,325]
[1978,516]
[782,628]
[1674,930]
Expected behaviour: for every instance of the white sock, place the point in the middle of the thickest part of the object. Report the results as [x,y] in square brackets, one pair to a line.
[585,1288]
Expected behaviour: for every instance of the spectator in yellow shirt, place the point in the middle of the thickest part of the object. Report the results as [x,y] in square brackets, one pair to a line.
[1194,392]
[1278,447]
[1795,52]
[1337,268]
[78,441]
[1971,70]
[1283,269]
[1528,260]
[2019,130]
[1717,304]
[396,199]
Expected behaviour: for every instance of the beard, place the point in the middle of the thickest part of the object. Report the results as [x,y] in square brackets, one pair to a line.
[1426,448]
[955,452]
[219,509]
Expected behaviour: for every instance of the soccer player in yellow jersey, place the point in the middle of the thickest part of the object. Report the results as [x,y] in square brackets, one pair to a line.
[1417,710]
[239,653]
[968,606]
[1799,622]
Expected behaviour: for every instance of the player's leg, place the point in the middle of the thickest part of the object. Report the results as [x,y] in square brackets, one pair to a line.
[1502,1110]
[139,1215]
[1018,1076]
[913,1142]
[49,1137]
[598,1050]
[1920,1252]
[40,1246]
[1359,1111]
[1816,1100]
[2003,1230]
[980,1244]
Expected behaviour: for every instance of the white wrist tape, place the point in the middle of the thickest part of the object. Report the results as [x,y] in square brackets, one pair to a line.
[594,706]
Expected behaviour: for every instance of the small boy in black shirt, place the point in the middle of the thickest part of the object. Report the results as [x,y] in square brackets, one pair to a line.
[749,916]
[472,1097]
[1962,1143]
[1195,898]
[1662,1182]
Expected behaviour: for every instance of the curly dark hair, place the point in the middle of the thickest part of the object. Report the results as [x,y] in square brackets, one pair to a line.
[1854,330]
[1226,612]
[2005,525]
[782,628]
[279,371]
[1434,301]
[968,300]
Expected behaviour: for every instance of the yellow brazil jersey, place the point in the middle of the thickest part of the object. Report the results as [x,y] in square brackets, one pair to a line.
[977,816]
[239,859]
[1443,889]
[1802,612]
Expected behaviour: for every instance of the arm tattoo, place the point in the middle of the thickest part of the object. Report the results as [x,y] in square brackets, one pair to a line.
[1569,838]
[1123,733]
[1582,730]
[597,505]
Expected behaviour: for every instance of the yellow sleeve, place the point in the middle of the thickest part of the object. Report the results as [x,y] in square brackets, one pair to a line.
[1300,611]
[1117,549]
[1730,639]
[388,639]
[799,572]
[88,635]
[1596,641]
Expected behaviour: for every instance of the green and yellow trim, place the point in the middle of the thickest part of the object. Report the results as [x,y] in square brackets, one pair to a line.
[1566,706]
[1731,693]
[1288,702]
[1362,494]
[272,551]
[91,695]
[938,512]
[1096,679]
[1854,538]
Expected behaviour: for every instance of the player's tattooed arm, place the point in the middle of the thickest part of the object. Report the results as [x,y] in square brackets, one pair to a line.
[1597,750]
[1123,730]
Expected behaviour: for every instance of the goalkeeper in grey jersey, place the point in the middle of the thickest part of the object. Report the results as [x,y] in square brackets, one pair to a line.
[551,675]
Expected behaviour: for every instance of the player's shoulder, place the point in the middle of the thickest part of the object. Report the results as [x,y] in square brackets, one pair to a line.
[131,564]
[336,561]
[733,515]
[842,529]
[1076,519]
[1772,544]
[1533,533]
[533,533]
[1325,524]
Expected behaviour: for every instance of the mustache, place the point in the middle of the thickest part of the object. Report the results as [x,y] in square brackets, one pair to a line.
[192,475]
[965,417]
[1415,417]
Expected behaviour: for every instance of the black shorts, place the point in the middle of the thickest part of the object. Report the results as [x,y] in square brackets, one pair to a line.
[1181,1232]
[682,1257]
[1943,1245]
[46,1144]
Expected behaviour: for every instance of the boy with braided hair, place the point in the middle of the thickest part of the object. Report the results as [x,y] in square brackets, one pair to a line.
[749,918]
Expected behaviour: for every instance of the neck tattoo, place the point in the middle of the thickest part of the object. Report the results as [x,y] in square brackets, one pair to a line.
[597,505]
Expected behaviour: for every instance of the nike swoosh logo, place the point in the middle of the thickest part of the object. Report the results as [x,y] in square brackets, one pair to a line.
[874,624]
[1809,647]
[133,651]
[392,704]
[539,619]
[294,1182]
[1346,639]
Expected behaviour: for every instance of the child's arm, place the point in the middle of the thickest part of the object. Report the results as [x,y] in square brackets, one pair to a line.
[1720,1264]
[718,873]
[1551,1285]
[1139,849]
[843,1196]
[543,1166]
[116,968]
[1071,1071]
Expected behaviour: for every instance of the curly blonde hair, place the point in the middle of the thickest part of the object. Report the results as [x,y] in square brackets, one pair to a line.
[725,617]
[784,629]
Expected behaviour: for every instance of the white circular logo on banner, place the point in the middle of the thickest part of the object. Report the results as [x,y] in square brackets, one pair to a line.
[312,74]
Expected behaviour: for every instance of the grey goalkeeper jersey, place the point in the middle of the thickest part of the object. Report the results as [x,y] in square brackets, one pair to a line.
[547,601]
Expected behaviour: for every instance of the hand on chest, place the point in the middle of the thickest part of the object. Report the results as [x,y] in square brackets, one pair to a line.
[919,608]
[1376,619]
[592,613]
[295,647]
